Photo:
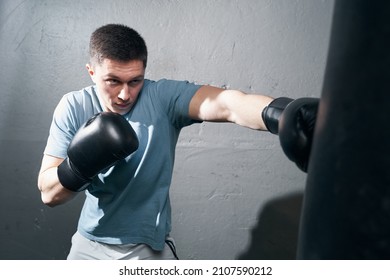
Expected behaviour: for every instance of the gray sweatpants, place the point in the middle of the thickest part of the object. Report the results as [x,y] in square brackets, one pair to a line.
[85,249]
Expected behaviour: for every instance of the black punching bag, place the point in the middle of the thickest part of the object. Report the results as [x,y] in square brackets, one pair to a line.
[346,208]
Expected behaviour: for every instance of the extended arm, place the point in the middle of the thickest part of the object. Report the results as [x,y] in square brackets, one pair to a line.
[293,120]
[220,105]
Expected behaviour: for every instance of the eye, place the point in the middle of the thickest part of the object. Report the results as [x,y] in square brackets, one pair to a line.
[135,82]
[112,82]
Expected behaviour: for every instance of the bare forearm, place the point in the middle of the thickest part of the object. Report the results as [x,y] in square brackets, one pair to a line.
[220,105]
[245,109]
[52,192]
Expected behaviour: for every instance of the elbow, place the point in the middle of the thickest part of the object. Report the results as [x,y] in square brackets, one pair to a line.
[52,194]
[49,200]
[46,199]
[54,198]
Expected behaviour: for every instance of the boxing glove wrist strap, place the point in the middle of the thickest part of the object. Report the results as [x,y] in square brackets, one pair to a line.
[272,113]
[70,178]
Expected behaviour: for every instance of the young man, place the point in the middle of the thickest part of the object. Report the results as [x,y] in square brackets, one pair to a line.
[123,152]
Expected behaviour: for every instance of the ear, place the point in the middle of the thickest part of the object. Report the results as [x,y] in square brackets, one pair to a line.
[91,72]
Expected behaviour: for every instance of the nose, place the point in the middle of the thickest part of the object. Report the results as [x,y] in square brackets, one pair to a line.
[124,94]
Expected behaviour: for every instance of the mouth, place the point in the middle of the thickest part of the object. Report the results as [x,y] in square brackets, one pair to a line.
[123,105]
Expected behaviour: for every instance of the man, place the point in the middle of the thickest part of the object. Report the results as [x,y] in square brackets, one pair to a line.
[116,140]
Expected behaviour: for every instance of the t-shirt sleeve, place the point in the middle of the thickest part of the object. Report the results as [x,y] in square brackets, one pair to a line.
[73,110]
[175,98]
[62,129]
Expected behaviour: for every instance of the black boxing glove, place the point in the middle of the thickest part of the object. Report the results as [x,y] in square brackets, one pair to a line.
[294,122]
[271,114]
[100,143]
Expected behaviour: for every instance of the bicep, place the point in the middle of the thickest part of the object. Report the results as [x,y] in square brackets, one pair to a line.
[208,105]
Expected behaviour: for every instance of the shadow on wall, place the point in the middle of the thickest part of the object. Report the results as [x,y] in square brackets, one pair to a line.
[29,230]
[275,236]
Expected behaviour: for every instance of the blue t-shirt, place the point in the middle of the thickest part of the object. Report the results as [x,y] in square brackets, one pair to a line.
[129,203]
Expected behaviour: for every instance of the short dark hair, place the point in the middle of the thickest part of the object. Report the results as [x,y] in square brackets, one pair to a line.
[117,42]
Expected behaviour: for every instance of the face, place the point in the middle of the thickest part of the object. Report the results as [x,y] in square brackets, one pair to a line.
[118,83]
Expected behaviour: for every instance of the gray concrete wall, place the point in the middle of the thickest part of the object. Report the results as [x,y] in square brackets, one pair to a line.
[234,193]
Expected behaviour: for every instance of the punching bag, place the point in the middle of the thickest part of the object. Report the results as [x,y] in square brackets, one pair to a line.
[346,207]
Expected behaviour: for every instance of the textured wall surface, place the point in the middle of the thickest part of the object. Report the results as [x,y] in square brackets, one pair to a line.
[234,194]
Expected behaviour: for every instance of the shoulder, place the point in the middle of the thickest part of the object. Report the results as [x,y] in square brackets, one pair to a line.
[173,84]
[167,88]
[78,106]
[80,96]
[85,99]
